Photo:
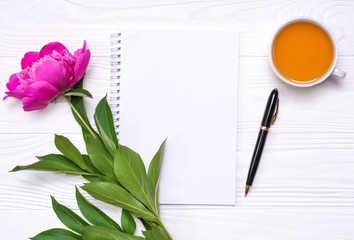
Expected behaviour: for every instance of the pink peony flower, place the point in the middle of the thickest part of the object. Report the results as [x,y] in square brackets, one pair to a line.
[46,74]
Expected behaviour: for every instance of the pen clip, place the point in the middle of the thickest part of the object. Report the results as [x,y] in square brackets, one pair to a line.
[276,112]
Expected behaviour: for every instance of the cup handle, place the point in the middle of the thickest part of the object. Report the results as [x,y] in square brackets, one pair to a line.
[338,73]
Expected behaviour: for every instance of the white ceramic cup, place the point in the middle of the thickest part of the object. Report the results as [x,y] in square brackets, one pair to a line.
[332,70]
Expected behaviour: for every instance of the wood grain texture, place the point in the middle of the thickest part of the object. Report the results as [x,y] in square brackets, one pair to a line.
[304,187]
[73,21]
[228,224]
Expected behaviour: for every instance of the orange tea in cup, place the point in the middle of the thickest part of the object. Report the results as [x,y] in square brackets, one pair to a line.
[303,52]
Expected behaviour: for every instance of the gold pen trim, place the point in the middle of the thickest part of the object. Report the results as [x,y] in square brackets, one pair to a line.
[265,128]
[276,112]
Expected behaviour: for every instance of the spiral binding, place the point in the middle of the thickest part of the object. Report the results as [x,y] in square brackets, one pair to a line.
[114,95]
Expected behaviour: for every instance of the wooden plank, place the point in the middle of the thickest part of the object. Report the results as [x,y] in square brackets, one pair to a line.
[288,176]
[256,20]
[225,223]
[258,223]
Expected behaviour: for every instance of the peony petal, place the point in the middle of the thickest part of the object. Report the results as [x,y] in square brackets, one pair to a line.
[14,94]
[29,58]
[80,66]
[32,108]
[14,86]
[79,51]
[54,72]
[42,91]
[13,82]
[31,104]
[50,47]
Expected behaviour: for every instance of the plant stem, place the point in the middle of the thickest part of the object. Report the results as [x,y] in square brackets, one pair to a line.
[78,114]
[149,223]
[163,227]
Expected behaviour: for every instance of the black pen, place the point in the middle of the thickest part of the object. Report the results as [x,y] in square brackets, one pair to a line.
[269,117]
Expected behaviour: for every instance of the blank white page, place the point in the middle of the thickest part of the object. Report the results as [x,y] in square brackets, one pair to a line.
[182,84]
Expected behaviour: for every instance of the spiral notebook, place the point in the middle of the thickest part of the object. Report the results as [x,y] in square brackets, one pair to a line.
[180,84]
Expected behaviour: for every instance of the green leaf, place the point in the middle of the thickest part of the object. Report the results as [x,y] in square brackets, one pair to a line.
[148,235]
[78,103]
[93,214]
[116,195]
[56,158]
[68,217]
[128,222]
[70,151]
[99,156]
[154,174]
[146,224]
[56,234]
[89,164]
[92,178]
[130,172]
[156,233]
[79,92]
[104,121]
[55,163]
[85,133]
[102,233]
[99,179]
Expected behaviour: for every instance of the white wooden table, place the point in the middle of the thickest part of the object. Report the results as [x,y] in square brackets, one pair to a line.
[304,187]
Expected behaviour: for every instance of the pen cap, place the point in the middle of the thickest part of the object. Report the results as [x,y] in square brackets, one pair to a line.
[270,108]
